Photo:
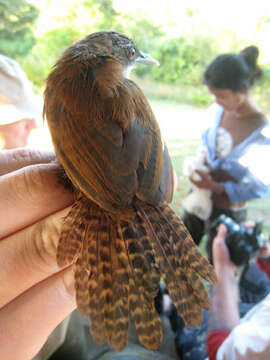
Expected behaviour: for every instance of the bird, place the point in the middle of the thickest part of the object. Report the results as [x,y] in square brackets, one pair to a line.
[121,233]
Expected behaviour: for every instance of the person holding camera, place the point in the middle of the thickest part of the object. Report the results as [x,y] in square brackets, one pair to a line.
[228,336]
[238,174]
[243,273]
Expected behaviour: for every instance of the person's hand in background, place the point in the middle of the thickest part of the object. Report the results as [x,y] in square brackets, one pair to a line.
[224,312]
[224,267]
[35,294]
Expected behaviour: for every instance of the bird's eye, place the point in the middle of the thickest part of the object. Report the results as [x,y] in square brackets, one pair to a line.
[132,51]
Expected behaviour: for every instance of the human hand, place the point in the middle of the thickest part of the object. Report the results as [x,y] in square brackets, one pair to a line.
[206,182]
[221,257]
[224,313]
[35,294]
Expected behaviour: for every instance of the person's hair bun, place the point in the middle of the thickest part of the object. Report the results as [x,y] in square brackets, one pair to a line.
[250,54]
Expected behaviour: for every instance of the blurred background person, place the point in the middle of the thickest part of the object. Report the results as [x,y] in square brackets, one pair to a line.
[15,134]
[20,108]
[240,291]
[229,337]
[234,146]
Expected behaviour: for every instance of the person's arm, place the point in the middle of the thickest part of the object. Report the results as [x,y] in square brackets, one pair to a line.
[207,182]
[224,309]
[228,338]
[35,294]
[224,313]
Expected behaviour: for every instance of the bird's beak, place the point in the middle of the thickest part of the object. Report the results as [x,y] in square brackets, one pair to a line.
[146,59]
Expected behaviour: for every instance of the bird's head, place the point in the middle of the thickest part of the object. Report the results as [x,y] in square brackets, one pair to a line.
[96,65]
[120,47]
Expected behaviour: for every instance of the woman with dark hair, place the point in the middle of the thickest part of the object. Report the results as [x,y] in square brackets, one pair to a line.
[235,153]
[238,174]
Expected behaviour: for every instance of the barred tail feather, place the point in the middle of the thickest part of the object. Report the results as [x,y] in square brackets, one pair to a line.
[82,273]
[187,271]
[146,319]
[96,309]
[70,240]
[118,268]
[180,262]
[120,289]
[143,284]
[185,245]
[172,275]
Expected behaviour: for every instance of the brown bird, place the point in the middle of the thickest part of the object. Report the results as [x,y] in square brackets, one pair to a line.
[120,232]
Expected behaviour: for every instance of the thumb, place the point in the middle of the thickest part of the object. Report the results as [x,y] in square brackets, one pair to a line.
[222,232]
[221,256]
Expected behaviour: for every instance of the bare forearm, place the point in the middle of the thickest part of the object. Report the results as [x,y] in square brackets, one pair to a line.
[224,314]
[218,188]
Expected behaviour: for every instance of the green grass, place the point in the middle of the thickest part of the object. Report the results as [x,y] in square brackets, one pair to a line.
[179,94]
[196,95]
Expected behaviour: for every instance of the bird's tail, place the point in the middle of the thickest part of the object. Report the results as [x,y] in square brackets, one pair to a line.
[118,266]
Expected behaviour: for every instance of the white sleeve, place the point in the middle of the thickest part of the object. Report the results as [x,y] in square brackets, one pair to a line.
[250,340]
[255,160]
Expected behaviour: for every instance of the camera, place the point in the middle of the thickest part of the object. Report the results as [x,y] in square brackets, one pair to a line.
[243,243]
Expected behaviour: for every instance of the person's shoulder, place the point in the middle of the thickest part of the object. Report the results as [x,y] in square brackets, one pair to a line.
[260,118]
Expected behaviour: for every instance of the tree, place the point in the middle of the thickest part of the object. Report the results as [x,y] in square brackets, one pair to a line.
[17,18]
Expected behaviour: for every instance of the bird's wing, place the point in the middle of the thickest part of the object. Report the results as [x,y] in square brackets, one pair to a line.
[106,137]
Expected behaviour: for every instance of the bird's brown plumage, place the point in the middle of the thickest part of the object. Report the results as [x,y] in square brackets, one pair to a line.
[120,231]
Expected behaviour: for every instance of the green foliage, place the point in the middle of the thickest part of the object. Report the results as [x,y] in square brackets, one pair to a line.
[44,54]
[144,33]
[183,60]
[266,74]
[175,93]
[17,18]
[146,36]
[106,17]
[200,96]
[103,17]
[56,40]
[110,16]
[52,43]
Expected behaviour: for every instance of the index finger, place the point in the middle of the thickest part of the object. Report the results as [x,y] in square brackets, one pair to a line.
[11,160]
[30,194]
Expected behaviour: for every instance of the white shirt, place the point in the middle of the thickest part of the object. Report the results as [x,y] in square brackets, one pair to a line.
[250,340]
